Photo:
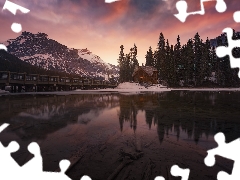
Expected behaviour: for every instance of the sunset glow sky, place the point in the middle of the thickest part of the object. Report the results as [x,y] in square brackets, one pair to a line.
[102,27]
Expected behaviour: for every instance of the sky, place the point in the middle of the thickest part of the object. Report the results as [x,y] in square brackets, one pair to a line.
[103,27]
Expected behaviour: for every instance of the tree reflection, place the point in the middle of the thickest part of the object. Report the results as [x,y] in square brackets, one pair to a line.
[196,114]
[128,112]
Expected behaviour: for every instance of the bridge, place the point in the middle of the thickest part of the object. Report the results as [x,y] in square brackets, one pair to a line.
[23,82]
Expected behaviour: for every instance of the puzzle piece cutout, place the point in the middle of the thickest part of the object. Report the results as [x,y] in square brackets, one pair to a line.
[7,163]
[35,164]
[5,156]
[236,16]
[16,27]
[182,6]
[222,51]
[177,171]
[3,126]
[111,1]
[12,7]
[227,150]
[33,169]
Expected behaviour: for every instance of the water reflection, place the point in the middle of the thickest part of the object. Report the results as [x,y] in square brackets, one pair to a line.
[37,116]
[196,114]
[101,125]
[45,112]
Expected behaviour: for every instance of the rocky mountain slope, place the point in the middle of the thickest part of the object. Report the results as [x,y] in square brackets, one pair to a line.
[39,50]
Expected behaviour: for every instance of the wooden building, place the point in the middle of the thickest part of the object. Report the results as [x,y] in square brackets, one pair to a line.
[145,74]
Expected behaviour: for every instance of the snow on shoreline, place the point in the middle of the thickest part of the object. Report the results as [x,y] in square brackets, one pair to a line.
[126,88]
[3,91]
[205,89]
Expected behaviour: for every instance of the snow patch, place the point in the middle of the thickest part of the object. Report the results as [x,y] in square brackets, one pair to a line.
[3,91]
[86,54]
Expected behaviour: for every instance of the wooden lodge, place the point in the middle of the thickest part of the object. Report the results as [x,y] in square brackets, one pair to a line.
[38,83]
[145,74]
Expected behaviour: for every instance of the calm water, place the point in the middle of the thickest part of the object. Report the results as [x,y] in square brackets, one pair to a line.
[101,129]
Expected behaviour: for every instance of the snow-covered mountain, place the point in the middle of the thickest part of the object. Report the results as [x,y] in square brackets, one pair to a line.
[39,50]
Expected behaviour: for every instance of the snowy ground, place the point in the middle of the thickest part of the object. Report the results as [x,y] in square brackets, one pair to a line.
[135,87]
[132,87]
[206,89]
[127,88]
[3,92]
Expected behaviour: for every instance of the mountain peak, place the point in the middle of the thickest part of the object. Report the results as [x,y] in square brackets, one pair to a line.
[39,50]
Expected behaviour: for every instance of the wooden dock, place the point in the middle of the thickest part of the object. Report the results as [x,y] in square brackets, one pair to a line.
[23,82]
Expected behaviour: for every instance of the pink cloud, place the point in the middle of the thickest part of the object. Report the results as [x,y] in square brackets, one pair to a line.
[102,28]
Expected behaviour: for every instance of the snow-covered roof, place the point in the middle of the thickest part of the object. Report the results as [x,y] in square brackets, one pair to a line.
[148,69]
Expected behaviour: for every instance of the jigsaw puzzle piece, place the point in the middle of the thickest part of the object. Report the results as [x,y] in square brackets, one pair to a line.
[223,176]
[226,150]
[234,176]
[3,126]
[222,51]
[182,7]
[88,178]
[2,46]
[221,6]
[5,154]
[34,165]
[159,178]
[111,1]
[177,171]
[64,165]
[236,16]
[12,7]
[54,175]
[182,15]
[7,164]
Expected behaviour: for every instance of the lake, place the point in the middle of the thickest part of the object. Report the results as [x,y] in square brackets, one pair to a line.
[123,135]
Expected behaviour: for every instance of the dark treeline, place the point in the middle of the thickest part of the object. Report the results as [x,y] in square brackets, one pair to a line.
[194,64]
[127,63]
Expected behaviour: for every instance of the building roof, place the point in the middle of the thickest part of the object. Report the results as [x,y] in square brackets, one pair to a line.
[148,69]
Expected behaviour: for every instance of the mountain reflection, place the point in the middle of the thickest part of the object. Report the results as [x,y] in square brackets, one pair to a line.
[184,114]
[45,112]
[37,116]
[196,114]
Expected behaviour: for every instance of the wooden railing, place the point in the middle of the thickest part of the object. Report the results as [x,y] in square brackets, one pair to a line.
[12,78]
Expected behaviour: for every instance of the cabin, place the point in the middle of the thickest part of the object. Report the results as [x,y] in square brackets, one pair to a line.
[145,74]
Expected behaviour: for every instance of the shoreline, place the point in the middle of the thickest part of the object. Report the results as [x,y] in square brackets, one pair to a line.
[142,90]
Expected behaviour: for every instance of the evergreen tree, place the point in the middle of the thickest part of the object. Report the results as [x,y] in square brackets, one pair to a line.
[127,68]
[121,64]
[193,63]
[149,57]
[197,57]
[204,67]
[189,56]
[220,62]
[127,63]
[172,68]
[161,57]
[155,56]
[134,61]
[168,61]
[178,60]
